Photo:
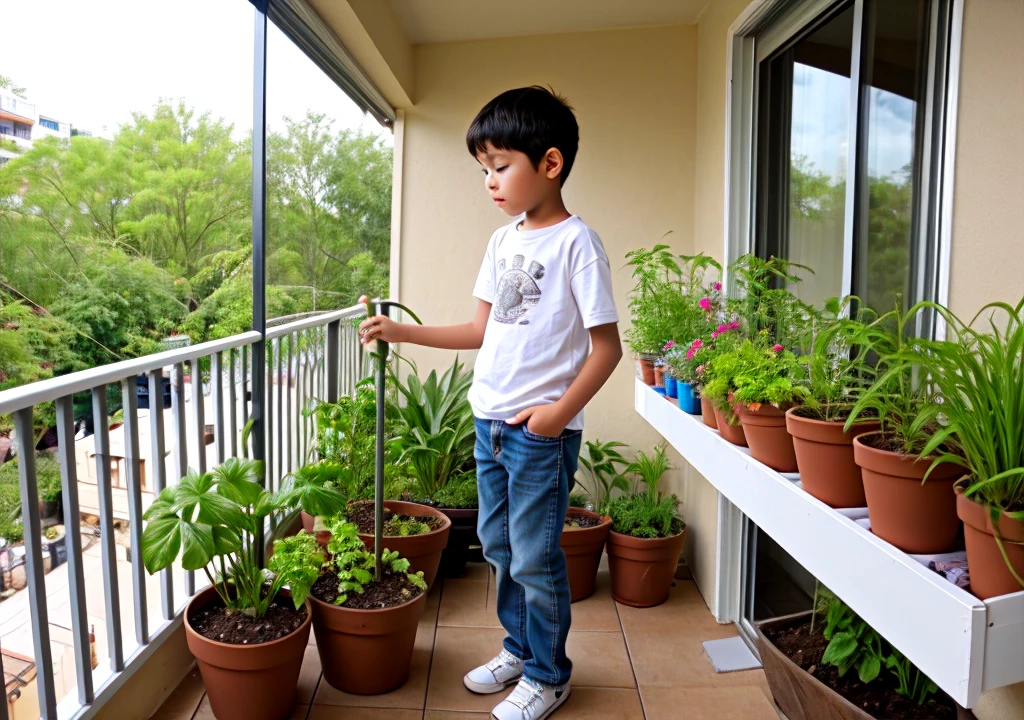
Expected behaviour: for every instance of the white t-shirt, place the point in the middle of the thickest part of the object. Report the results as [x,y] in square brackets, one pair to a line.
[547,288]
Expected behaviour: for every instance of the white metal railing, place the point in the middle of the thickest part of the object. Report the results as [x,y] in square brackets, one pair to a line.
[313,358]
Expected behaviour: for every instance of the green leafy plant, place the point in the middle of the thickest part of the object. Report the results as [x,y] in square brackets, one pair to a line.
[664,303]
[346,431]
[852,642]
[319,489]
[296,563]
[459,494]
[354,564]
[211,521]
[604,471]
[645,512]
[911,683]
[435,433]
[764,301]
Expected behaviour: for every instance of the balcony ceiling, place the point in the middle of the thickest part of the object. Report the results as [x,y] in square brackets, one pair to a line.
[434,21]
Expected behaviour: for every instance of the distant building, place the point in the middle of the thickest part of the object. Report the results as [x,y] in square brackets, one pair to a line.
[23,125]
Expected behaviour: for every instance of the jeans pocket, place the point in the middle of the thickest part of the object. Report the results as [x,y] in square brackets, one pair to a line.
[539,438]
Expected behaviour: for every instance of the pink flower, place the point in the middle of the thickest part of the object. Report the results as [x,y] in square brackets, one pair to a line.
[718,287]
[700,369]
[705,303]
[697,344]
[714,334]
[669,345]
[777,348]
[690,353]
[734,325]
[723,328]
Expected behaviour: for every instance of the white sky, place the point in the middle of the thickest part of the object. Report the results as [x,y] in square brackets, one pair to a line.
[92,63]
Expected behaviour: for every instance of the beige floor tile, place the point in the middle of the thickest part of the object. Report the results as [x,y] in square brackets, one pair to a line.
[599,660]
[205,712]
[409,696]
[588,703]
[745,702]
[183,701]
[455,715]
[464,603]
[477,571]
[328,712]
[309,676]
[597,612]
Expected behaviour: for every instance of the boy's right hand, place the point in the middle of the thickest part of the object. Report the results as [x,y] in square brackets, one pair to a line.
[379,328]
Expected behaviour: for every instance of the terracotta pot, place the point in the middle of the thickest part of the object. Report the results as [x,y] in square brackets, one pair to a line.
[642,569]
[366,652]
[659,376]
[800,695]
[917,518]
[583,548]
[707,412]
[647,371]
[461,536]
[824,457]
[990,576]
[248,682]
[308,521]
[732,433]
[767,437]
[422,551]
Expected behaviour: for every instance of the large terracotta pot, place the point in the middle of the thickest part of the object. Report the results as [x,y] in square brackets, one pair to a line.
[248,682]
[366,652]
[647,371]
[583,548]
[767,437]
[642,569]
[917,518]
[422,551]
[707,413]
[461,536]
[732,433]
[800,695]
[990,576]
[824,457]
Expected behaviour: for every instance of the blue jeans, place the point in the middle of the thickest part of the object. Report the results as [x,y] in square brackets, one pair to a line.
[524,482]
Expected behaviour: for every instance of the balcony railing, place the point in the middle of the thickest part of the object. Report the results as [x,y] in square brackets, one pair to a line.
[313,358]
[16,106]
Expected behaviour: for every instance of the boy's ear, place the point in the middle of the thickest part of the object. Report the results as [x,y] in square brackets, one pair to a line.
[553,163]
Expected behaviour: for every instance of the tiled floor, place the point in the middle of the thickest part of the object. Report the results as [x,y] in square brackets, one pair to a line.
[629,664]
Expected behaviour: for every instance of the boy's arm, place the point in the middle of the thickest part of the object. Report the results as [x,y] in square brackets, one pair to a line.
[467,336]
[550,420]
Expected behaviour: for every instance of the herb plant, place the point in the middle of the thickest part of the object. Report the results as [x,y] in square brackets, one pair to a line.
[354,564]
[320,489]
[645,512]
[603,469]
[346,432]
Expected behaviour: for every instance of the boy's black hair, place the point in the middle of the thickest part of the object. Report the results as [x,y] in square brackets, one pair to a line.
[531,120]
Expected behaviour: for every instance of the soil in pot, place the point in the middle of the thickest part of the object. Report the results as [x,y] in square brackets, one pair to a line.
[878,698]
[642,569]
[764,428]
[917,518]
[367,651]
[255,677]
[583,538]
[362,515]
[824,457]
[423,551]
[732,433]
[707,413]
[990,575]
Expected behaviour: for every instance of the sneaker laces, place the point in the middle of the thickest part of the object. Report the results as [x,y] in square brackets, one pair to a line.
[525,695]
[504,658]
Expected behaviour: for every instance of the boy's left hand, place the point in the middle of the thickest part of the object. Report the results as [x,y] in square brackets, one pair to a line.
[543,420]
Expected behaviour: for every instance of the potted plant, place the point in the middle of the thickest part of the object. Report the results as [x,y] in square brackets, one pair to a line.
[434,439]
[822,444]
[720,369]
[417,532]
[247,632]
[980,378]
[318,490]
[585,532]
[914,515]
[829,663]
[647,536]
[365,616]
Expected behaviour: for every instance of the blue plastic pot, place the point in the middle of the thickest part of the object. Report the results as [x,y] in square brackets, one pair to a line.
[689,402]
[659,390]
[671,386]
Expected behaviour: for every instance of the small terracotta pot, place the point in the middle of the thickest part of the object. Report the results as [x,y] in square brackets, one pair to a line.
[707,413]
[366,652]
[990,576]
[647,371]
[642,569]
[767,437]
[308,521]
[248,682]
[461,536]
[917,518]
[583,548]
[422,551]
[659,376]
[824,457]
[732,433]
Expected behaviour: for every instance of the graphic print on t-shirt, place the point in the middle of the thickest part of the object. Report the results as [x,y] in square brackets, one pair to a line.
[517,290]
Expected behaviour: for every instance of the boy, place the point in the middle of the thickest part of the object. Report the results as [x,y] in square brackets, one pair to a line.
[546,328]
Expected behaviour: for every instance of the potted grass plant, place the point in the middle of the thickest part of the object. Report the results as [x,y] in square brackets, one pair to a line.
[914,515]
[247,632]
[647,535]
[585,532]
[979,375]
[365,616]
[835,368]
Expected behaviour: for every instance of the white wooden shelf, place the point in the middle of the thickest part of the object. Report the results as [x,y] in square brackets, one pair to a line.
[964,644]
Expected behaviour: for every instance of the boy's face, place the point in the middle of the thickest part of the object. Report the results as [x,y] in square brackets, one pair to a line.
[512,181]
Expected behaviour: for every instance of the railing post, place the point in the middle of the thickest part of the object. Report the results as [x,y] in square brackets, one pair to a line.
[378,478]
[333,348]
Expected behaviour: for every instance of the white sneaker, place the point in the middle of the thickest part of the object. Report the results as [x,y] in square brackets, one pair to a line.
[496,675]
[531,701]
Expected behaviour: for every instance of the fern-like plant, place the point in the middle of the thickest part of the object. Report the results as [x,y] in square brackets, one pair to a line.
[354,564]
